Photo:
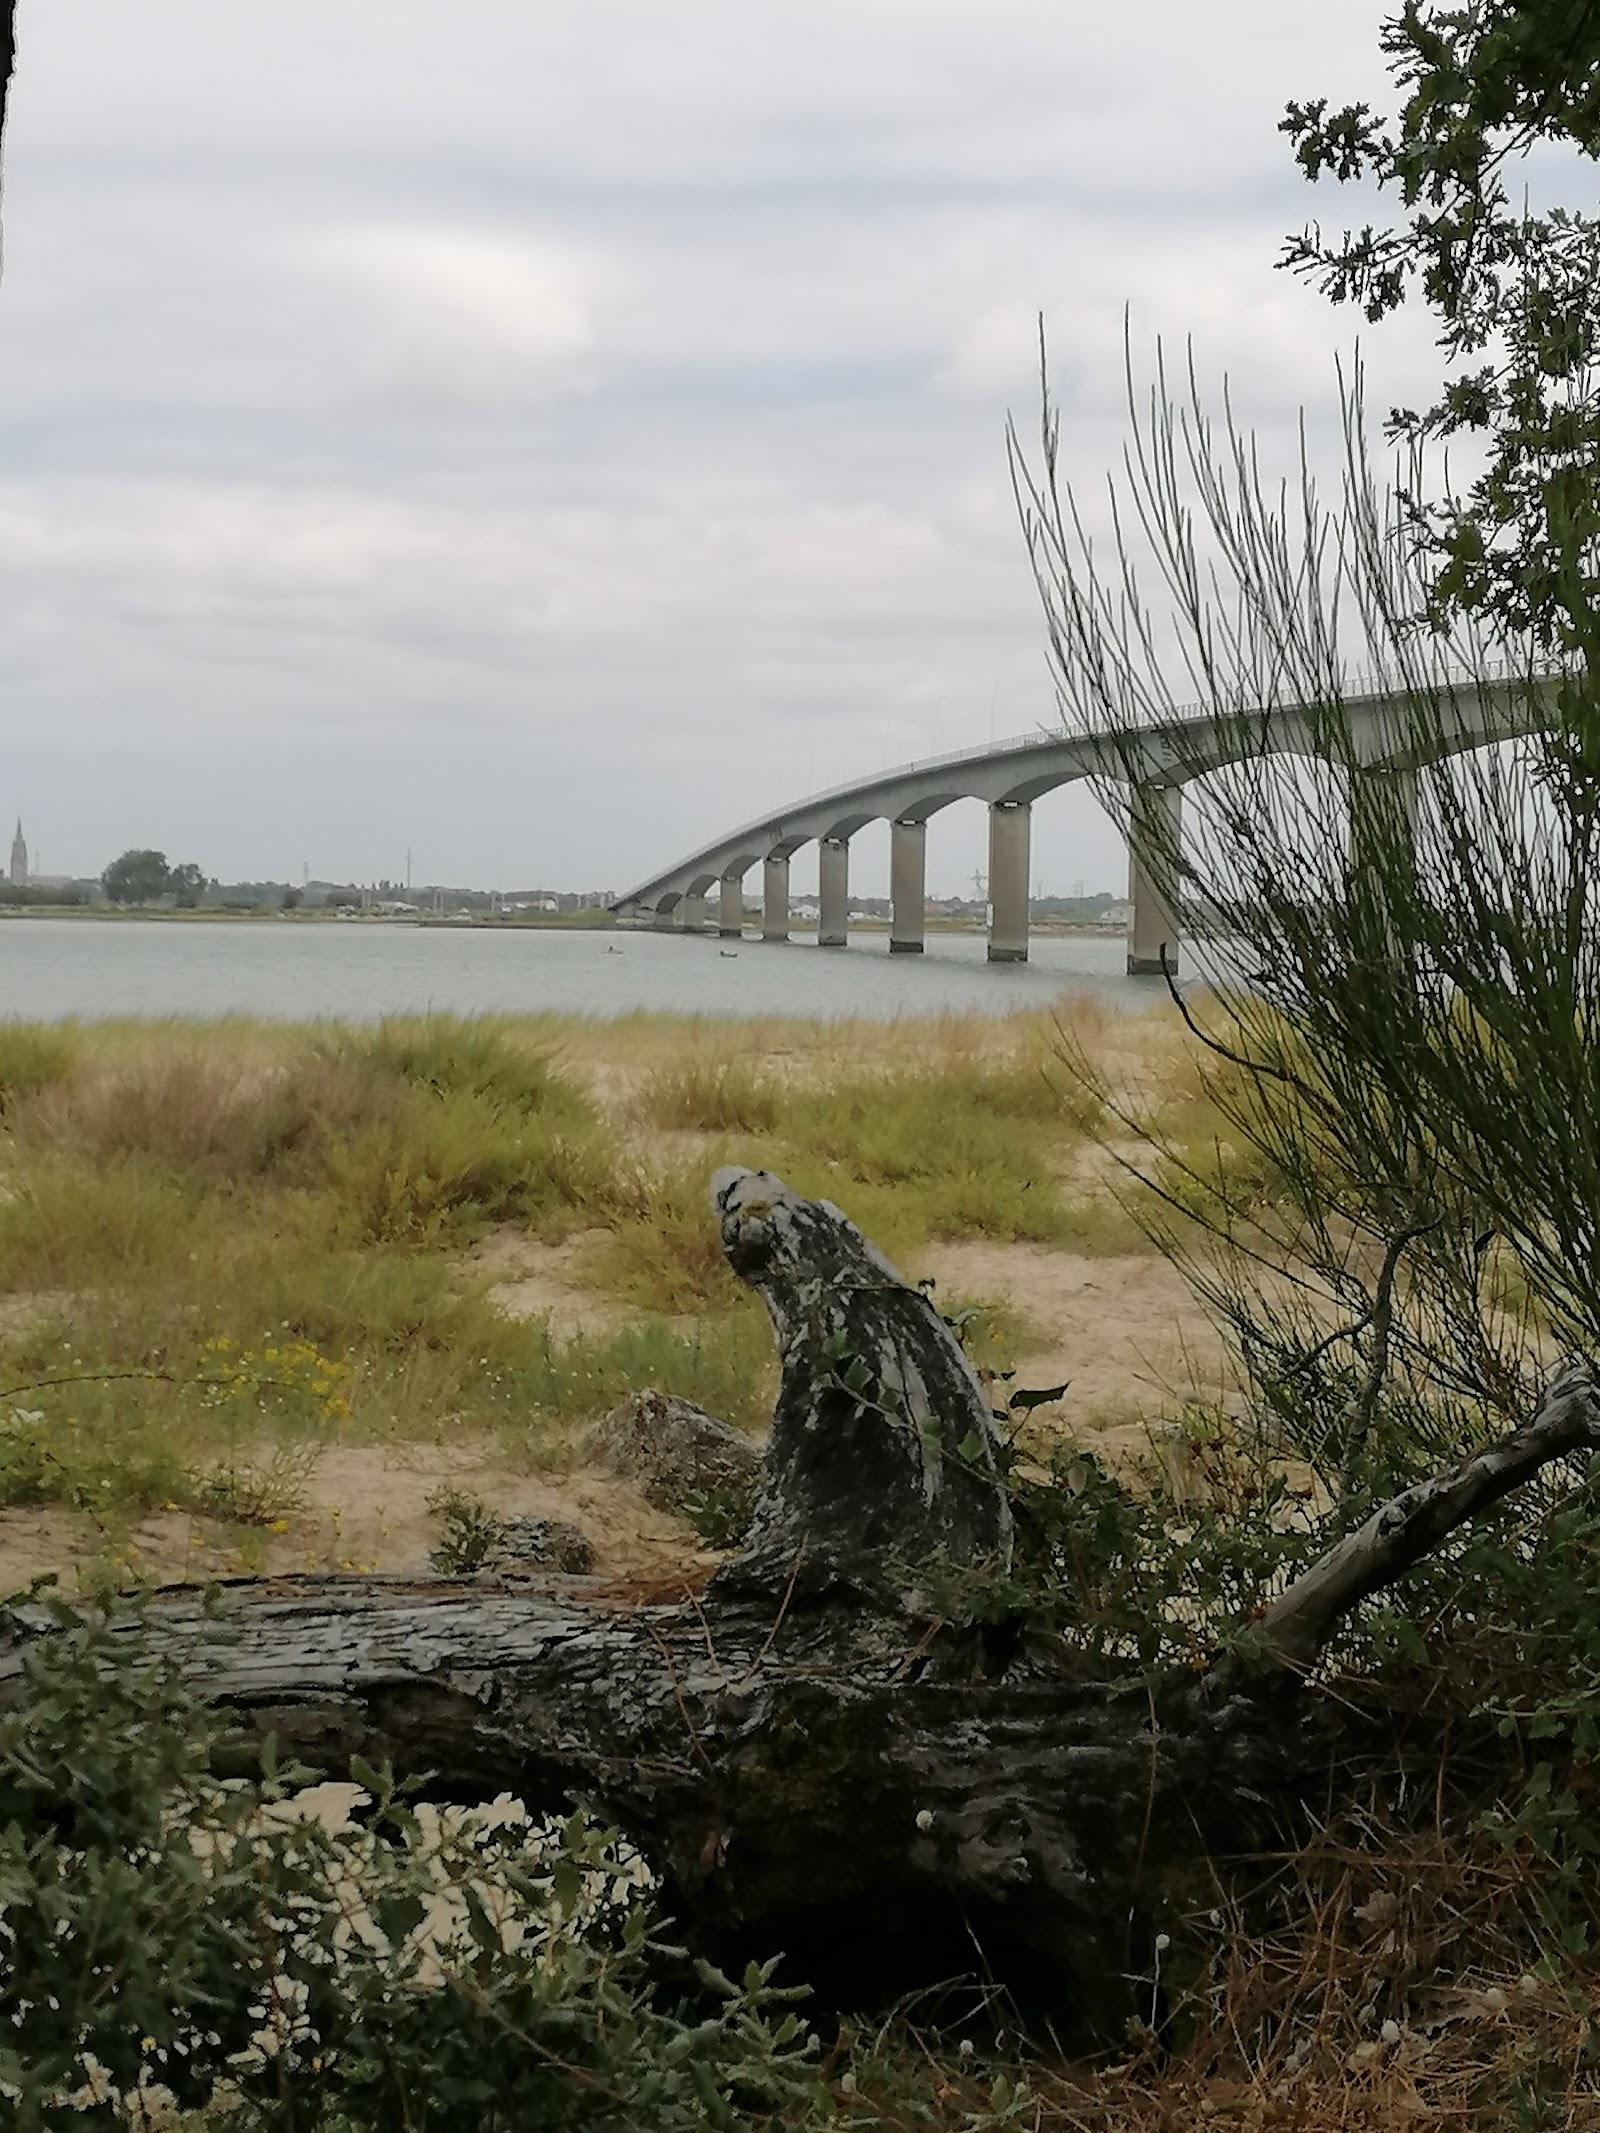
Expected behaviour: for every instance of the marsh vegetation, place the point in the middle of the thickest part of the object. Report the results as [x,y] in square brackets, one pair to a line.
[231,1254]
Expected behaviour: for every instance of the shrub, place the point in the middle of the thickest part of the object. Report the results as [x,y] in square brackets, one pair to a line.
[64,1221]
[708,1096]
[453,1973]
[457,1160]
[453,1055]
[209,1120]
[32,1057]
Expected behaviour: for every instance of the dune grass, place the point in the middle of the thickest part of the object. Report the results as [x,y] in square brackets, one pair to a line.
[182,1208]
[32,1058]
[938,1142]
[701,1094]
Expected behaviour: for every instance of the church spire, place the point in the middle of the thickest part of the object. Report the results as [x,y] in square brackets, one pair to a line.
[19,858]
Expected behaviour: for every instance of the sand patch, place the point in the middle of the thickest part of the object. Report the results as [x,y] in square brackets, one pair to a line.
[364,1508]
[1125,1329]
[530,1279]
[26,1310]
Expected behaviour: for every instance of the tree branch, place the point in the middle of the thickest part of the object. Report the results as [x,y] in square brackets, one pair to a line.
[8,56]
[1381,1320]
[1296,1626]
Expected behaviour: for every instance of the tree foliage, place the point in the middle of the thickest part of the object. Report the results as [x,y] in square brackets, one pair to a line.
[142,876]
[1489,91]
[1393,1212]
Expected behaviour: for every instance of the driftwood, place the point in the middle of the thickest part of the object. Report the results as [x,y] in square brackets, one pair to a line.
[809,1756]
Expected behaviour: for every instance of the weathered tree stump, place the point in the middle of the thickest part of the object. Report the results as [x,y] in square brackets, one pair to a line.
[672,1451]
[810,1757]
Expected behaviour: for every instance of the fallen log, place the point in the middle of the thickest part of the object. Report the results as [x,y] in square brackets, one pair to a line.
[812,1757]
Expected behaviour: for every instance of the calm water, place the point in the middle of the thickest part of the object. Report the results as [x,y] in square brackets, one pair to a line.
[54,969]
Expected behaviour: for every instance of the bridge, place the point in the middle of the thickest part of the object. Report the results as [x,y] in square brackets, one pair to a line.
[1378,737]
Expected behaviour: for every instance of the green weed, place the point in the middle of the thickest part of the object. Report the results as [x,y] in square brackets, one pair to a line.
[32,1057]
[455,1056]
[708,1096]
[664,1251]
[469,1532]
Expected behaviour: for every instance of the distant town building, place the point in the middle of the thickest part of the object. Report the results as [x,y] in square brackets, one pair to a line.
[19,858]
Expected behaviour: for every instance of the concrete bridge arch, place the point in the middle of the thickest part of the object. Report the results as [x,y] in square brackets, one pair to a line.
[1380,734]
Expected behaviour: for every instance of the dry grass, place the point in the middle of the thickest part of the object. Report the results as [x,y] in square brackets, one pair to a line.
[1378,1980]
[265,1229]
[707,1095]
[1396,1994]
[166,1186]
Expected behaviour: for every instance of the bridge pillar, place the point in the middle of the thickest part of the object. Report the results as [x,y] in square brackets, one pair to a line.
[1155,828]
[692,914]
[1383,830]
[833,892]
[908,858]
[775,899]
[664,921]
[1010,854]
[730,907]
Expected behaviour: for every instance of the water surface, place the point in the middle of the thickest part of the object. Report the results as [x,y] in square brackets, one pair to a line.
[55,969]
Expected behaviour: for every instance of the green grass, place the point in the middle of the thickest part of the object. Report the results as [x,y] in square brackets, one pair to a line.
[967,1148]
[196,1203]
[290,1358]
[703,1095]
[32,1058]
[662,1251]
[416,1132]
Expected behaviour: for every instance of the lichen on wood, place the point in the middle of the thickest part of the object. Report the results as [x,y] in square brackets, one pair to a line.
[882,1448]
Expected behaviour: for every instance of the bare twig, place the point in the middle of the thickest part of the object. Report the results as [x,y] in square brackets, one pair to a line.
[1382,1322]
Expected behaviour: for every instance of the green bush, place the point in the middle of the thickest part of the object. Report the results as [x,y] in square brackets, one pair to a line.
[453,1055]
[452,1972]
[443,1163]
[167,1932]
[32,1057]
[66,1220]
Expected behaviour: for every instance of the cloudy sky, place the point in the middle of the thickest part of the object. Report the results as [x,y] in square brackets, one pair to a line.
[542,433]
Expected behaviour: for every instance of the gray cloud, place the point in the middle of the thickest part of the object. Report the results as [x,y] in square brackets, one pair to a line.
[544,440]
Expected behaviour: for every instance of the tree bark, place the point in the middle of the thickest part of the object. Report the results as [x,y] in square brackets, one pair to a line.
[813,1760]
[8,54]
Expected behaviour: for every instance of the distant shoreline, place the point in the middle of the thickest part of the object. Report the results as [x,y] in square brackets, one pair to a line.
[521,921]
[120,914]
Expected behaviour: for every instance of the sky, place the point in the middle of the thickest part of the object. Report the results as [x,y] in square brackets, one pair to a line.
[542,436]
